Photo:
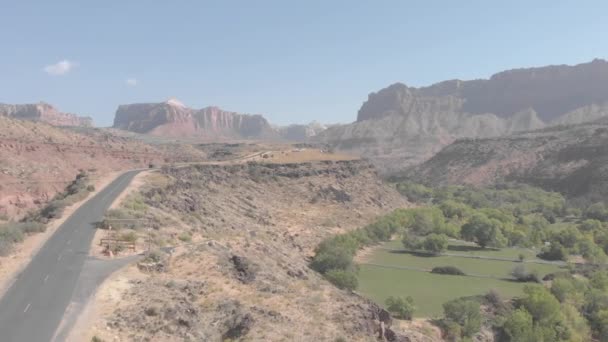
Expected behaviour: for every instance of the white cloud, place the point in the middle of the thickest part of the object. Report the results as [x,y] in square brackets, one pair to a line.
[60,68]
[131,82]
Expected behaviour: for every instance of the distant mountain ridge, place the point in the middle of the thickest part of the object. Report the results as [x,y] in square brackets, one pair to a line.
[399,126]
[172,118]
[43,112]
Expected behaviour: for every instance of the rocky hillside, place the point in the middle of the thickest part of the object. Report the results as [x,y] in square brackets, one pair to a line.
[173,119]
[400,125]
[569,159]
[38,160]
[246,233]
[43,112]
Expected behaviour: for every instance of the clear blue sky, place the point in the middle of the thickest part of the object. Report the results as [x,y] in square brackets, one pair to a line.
[293,61]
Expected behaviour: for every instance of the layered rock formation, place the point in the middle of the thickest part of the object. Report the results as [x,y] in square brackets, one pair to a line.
[44,112]
[172,118]
[400,125]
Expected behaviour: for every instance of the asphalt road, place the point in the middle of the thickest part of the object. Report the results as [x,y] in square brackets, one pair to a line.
[33,307]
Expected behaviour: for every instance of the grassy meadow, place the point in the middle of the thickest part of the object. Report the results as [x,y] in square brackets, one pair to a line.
[429,290]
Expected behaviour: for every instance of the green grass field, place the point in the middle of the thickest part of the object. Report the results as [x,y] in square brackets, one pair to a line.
[430,291]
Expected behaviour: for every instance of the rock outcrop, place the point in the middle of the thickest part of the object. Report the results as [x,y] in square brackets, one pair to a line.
[301,132]
[399,126]
[173,119]
[44,112]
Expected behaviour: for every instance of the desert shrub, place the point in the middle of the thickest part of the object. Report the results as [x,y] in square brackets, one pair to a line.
[135,203]
[154,256]
[52,210]
[11,232]
[129,236]
[90,188]
[117,214]
[5,247]
[9,235]
[452,270]
[185,237]
[343,279]
[152,311]
[31,227]
[96,339]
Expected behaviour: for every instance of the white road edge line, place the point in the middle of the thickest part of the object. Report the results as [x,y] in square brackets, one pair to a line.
[27,308]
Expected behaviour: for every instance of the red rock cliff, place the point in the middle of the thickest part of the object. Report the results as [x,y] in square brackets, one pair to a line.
[171,118]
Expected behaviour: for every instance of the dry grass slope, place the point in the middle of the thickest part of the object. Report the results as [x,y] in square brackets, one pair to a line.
[245,275]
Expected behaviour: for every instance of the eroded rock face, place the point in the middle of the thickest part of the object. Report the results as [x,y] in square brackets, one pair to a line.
[173,119]
[550,91]
[44,112]
[400,126]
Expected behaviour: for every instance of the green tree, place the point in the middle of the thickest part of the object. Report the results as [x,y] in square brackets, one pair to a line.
[332,258]
[343,279]
[590,225]
[597,211]
[454,209]
[600,322]
[466,313]
[426,220]
[519,326]
[435,243]
[590,251]
[541,304]
[410,241]
[484,231]
[569,290]
[599,280]
[415,192]
[401,307]
[555,251]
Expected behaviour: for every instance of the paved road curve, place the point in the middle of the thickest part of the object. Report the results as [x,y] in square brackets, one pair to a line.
[34,305]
